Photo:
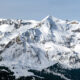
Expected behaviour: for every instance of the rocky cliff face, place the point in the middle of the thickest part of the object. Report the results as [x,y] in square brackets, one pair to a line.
[37,45]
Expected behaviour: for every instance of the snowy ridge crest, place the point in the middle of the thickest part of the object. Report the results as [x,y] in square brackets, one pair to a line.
[29,44]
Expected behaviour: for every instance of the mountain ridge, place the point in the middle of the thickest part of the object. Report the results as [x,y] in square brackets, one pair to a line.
[29,44]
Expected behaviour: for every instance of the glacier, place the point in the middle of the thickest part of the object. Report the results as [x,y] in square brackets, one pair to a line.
[30,44]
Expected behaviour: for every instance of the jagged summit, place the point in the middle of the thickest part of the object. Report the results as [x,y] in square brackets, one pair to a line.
[29,44]
[50,18]
[46,18]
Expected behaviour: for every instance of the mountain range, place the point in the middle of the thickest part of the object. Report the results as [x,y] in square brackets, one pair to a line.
[37,45]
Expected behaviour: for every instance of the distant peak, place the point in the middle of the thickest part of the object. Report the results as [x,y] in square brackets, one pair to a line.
[49,17]
[46,18]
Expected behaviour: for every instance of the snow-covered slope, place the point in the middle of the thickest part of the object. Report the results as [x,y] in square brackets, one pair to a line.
[29,44]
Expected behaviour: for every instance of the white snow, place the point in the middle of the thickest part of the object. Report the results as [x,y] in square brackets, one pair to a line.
[39,45]
[77,48]
[6,28]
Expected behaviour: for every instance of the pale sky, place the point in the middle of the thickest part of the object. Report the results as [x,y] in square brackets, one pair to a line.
[39,9]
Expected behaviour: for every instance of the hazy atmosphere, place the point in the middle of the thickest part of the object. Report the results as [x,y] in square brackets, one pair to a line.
[39,40]
[38,9]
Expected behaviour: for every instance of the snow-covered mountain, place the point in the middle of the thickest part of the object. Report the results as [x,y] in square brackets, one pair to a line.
[29,44]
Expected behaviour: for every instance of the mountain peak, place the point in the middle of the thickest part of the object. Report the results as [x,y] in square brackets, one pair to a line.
[49,18]
[57,43]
